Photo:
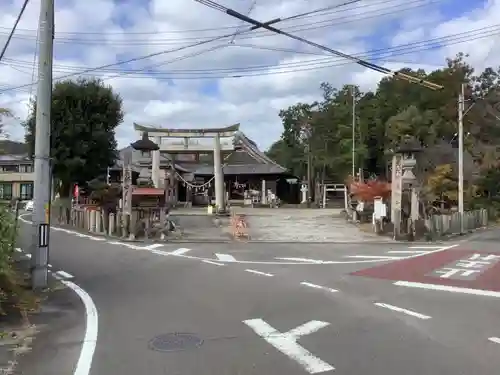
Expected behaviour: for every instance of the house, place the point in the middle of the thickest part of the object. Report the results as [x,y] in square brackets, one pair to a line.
[16,177]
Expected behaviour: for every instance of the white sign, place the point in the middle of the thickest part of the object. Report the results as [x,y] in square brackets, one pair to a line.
[287,343]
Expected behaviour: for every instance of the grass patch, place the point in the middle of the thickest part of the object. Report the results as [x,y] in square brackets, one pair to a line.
[16,298]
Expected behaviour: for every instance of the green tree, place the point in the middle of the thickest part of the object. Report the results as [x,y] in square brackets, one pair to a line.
[85,114]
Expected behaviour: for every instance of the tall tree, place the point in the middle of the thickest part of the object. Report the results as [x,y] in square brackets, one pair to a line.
[85,114]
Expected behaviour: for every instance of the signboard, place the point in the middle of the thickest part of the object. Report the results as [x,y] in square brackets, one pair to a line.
[43,235]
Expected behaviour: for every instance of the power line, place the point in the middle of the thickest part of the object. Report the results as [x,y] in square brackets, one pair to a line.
[379,53]
[136,74]
[151,54]
[361,62]
[327,10]
[11,34]
[305,27]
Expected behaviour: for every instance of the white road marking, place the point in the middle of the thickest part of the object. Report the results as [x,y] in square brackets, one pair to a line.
[404,311]
[288,261]
[405,252]
[225,257]
[91,329]
[287,344]
[447,288]
[425,247]
[259,272]
[153,246]
[64,274]
[180,251]
[318,287]
[214,263]
[96,238]
[19,250]
[306,260]
[372,257]
[496,340]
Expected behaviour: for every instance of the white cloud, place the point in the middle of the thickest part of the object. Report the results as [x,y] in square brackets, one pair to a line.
[240,82]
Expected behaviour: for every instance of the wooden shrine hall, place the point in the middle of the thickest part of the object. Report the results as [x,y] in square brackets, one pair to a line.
[184,165]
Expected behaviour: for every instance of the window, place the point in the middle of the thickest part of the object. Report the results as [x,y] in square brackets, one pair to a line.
[10,168]
[26,191]
[6,191]
[26,168]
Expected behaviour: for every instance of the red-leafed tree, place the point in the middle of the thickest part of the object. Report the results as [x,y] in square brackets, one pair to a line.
[367,191]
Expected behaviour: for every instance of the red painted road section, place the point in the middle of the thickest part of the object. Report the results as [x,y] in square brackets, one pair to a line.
[418,270]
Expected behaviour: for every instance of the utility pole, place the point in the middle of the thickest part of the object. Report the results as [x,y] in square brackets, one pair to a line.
[353,93]
[41,196]
[461,106]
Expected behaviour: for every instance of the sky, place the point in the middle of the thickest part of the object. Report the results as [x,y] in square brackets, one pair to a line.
[247,79]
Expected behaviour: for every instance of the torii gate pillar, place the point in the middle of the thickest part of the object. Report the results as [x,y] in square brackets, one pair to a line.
[218,177]
[216,134]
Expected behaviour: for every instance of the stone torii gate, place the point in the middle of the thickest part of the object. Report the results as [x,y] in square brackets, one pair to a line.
[157,135]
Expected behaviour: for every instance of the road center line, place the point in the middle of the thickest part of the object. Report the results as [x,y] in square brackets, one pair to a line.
[496,340]
[214,263]
[404,311]
[315,286]
[425,247]
[372,257]
[405,252]
[447,288]
[259,272]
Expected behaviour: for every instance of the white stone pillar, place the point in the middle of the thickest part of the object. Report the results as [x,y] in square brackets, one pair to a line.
[155,167]
[218,176]
[264,194]
[92,221]
[98,220]
[414,204]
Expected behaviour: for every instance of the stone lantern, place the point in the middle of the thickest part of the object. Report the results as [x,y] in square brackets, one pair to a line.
[404,162]
[145,144]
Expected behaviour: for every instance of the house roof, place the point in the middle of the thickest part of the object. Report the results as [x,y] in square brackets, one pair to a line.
[10,159]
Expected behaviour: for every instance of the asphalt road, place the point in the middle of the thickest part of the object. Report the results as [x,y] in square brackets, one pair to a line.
[250,313]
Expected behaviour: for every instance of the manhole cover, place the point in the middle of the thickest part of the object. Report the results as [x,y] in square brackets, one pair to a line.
[172,342]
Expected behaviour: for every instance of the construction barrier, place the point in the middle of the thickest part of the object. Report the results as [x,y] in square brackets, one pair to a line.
[239,227]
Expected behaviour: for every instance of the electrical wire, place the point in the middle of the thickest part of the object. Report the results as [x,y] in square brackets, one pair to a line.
[144,57]
[13,30]
[306,27]
[380,53]
[409,48]
[358,61]
[331,10]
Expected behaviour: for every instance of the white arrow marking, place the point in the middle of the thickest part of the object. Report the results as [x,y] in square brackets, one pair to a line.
[306,260]
[153,246]
[287,344]
[225,257]
[180,251]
